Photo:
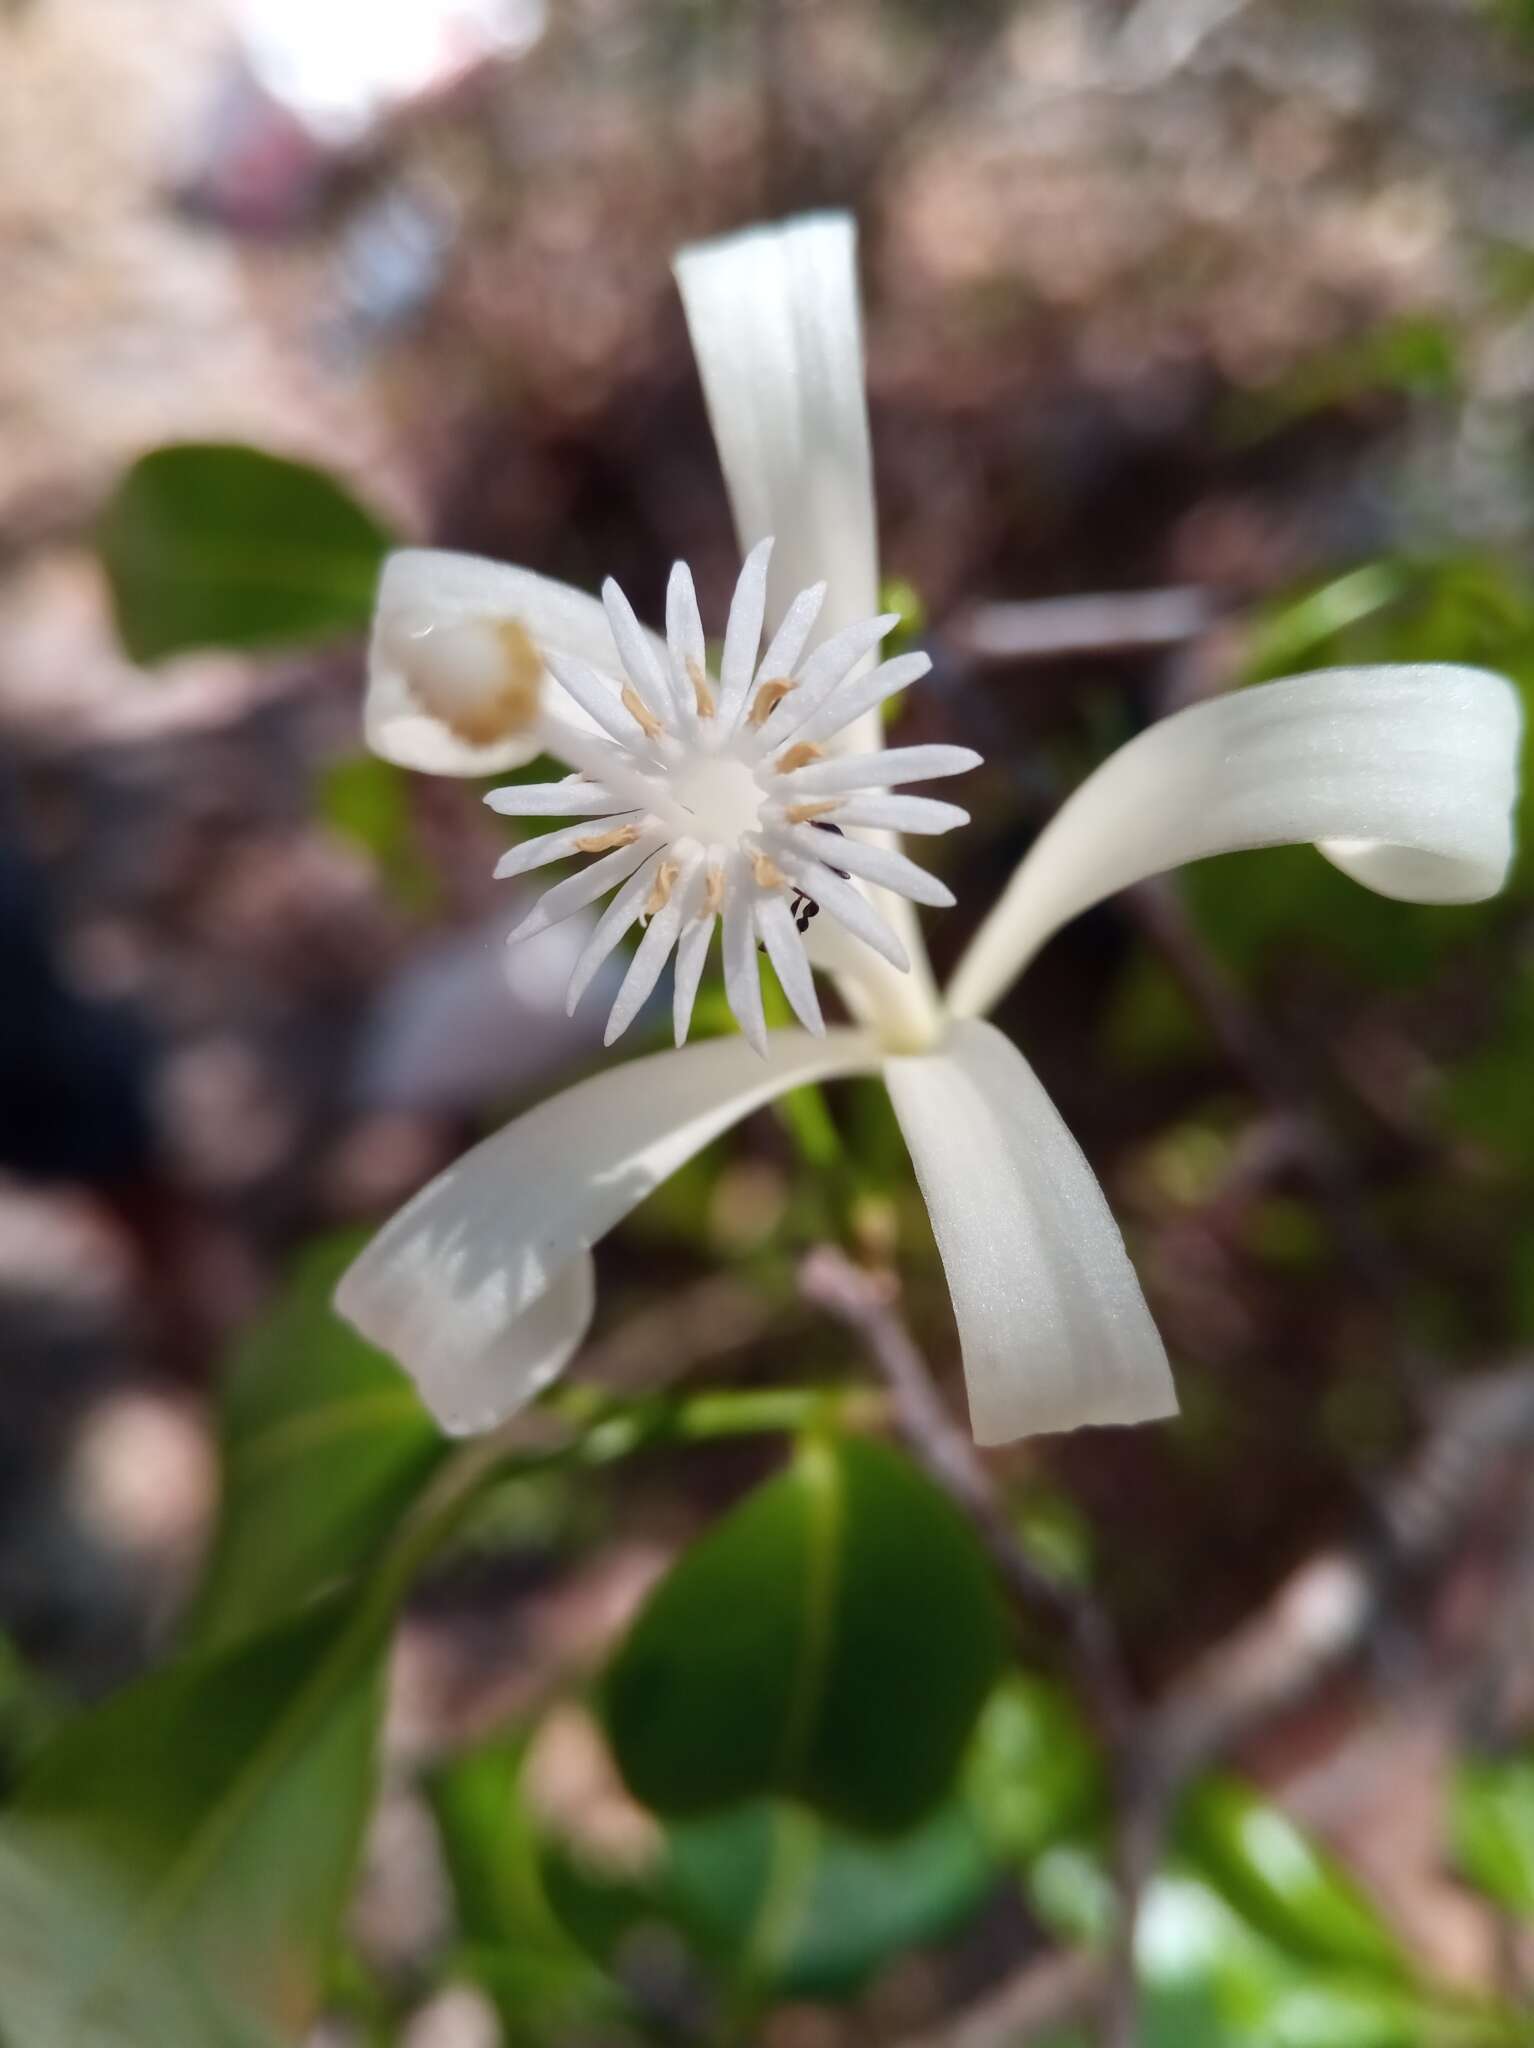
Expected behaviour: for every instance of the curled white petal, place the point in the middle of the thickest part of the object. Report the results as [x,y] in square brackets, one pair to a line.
[1405,776]
[432,589]
[743,634]
[880,771]
[575,797]
[1053,1326]
[480,1287]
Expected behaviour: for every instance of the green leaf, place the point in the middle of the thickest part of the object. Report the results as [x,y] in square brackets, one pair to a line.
[324,1444]
[832,1639]
[1034,1775]
[210,1815]
[210,544]
[1492,1825]
[539,1978]
[1281,1882]
[787,1905]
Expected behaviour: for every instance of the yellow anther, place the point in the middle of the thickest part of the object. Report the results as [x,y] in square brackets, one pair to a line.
[767,699]
[702,690]
[664,883]
[641,713]
[713,892]
[806,814]
[799,756]
[767,872]
[604,842]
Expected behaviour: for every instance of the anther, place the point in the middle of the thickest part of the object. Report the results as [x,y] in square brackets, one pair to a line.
[767,872]
[660,892]
[767,699]
[799,756]
[641,713]
[807,813]
[604,842]
[713,892]
[702,690]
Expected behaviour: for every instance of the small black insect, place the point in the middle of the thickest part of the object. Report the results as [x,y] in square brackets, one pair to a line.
[803,907]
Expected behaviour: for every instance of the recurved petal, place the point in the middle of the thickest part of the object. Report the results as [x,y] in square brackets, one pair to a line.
[427,591]
[480,1286]
[1404,776]
[1052,1324]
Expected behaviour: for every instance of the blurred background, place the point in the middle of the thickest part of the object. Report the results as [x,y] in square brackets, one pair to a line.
[1201,348]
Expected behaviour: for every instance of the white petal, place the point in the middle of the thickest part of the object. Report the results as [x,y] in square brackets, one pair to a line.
[845,903]
[610,928]
[879,771]
[774,319]
[576,891]
[879,864]
[787,644]
[1404,776]
[743,634]
[575,797]
[901,813]
[653,951]
[742,977]
[426,586]
[829,666]
[544,847]
[691,953]
[637,650]
[480,1286]
[851,699]
[599,696]
[685,646]
[1052,1324]
[786,951]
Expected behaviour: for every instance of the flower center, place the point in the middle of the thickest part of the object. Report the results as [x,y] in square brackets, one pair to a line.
[720,798]
[480,676]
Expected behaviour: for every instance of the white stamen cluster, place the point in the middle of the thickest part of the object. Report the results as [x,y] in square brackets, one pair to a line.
[704,800]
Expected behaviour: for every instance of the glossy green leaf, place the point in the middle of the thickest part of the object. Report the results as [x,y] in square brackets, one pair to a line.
[787,1904]
[211,1816]
[210,544]
[538,1977]
[324,1443]
[1492,1827]
[1284,1885]
[832,1639]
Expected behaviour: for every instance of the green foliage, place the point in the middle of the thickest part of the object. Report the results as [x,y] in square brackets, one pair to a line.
[831,1639]
[1033,1776]
[513,1945]
[1286,1888]
[365,801]
[211,1815]
[324,1443]
[1492,1826]
[210,544]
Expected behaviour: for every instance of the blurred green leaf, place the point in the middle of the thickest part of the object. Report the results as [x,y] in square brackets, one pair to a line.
[832,1639]
[1034,1775]
[212,1814]
[210,544]
[788,1905]
[364,801]
[323,1445]
[1492,1826]
[538,1977]
[1281,1882]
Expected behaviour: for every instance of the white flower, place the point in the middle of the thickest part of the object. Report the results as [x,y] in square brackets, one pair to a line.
[698,800]
[1403,777]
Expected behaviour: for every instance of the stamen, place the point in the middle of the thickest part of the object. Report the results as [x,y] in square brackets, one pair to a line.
[713,892]
[665,882]
[799,756]
[641,713]
[807,813]
[702,689]
[768,697]
[767,872]
[604,842]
